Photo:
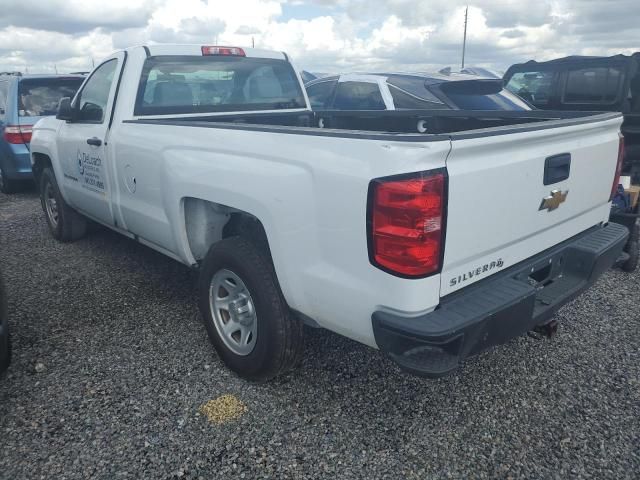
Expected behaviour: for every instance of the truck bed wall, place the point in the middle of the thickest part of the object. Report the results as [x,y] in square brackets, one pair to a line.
[398,121]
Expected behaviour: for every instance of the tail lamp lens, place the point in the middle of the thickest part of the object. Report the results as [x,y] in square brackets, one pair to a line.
[407,218]
[18,134]
[616,178]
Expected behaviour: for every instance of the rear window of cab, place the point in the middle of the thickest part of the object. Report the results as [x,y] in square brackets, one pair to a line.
[211,84]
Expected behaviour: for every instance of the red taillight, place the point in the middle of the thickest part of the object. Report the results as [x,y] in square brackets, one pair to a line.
[616,178]
[18,134]
[229,51]
[407,218]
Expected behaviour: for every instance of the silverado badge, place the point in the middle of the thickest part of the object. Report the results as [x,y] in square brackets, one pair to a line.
[554,200]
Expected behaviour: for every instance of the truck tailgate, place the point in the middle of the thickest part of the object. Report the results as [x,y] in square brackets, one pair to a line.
[500,211]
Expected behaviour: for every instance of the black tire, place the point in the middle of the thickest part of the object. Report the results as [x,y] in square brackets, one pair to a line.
[633,250]
[8,185]
[69,225]
[279,343]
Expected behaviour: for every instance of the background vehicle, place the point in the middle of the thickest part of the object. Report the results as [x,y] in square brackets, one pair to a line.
[607,84]
[431,247]
[24,99]
[404,91]
[5,345]
[610,84]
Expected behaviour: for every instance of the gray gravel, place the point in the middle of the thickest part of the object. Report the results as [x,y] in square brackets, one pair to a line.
[111,364]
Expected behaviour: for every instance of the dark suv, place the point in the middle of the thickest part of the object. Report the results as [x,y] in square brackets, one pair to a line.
[24,99]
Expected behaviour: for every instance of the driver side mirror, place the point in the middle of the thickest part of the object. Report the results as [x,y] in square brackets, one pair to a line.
[65,110]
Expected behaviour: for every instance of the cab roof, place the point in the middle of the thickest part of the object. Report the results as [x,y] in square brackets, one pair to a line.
[196,50]
[573,59]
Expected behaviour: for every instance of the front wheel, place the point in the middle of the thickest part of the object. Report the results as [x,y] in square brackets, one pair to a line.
[65,224]
[245,314]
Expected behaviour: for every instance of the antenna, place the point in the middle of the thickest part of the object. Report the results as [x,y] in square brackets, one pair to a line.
[464,39]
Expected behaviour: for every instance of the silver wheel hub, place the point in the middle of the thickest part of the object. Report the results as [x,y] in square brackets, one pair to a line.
[233,312]
[51,205]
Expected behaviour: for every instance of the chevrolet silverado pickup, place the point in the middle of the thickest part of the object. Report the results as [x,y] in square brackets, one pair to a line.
[429,246]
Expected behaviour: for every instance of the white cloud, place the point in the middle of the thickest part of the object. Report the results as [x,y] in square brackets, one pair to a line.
[321,35]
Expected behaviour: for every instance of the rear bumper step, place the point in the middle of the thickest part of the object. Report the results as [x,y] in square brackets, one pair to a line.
[499,308]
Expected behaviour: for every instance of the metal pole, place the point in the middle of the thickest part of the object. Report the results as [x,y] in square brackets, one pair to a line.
[464,39]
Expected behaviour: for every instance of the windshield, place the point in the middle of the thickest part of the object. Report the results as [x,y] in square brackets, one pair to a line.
[188,84]
[39,97]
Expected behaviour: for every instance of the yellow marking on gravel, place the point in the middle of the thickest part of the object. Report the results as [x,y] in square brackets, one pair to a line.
[223,409]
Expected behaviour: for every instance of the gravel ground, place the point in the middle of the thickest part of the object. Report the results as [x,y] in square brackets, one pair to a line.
[112,365]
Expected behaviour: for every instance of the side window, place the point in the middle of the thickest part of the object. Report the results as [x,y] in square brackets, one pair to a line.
[592,85]
[93,98]
[319,93]
[534,87]
[404,101]
[358,96]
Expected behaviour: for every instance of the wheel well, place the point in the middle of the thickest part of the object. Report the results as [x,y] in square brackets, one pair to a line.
[207,223]
[40,162]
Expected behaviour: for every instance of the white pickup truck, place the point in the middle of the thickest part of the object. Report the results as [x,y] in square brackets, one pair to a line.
[429,246]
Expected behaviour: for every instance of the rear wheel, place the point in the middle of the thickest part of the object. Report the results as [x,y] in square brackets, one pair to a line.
[246,316]
[65,224]
[6,184]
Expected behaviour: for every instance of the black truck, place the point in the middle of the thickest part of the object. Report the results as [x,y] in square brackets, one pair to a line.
[579,83]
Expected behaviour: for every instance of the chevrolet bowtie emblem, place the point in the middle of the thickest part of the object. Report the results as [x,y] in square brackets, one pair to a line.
[554,200]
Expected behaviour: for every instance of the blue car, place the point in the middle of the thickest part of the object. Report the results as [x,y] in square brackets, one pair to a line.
[24,99]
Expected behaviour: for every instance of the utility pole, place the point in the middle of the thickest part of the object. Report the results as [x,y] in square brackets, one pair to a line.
[253,42]
[55,67]
[464,39]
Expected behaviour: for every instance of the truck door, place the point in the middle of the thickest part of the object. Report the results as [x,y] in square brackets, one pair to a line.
[83,143]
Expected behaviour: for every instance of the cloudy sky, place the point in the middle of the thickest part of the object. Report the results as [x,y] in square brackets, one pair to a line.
[321,35]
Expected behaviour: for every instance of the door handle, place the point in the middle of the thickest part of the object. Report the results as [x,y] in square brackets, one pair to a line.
[557,168]
[95,141]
